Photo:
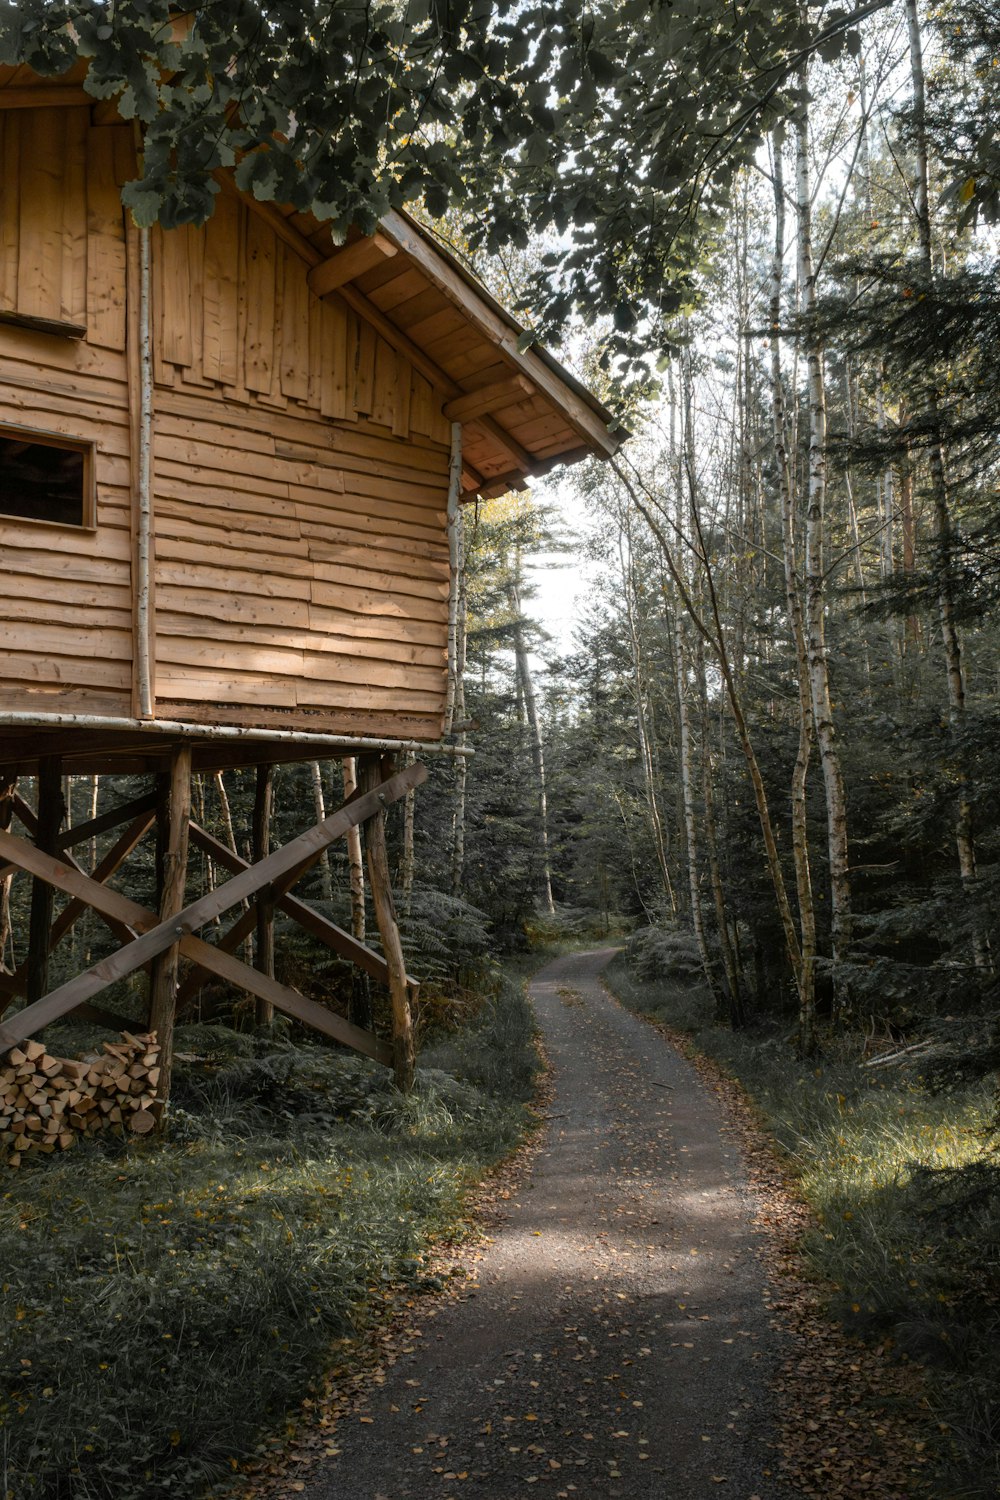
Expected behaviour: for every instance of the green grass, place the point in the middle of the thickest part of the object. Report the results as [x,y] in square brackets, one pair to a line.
[906,1187]
[166,1302]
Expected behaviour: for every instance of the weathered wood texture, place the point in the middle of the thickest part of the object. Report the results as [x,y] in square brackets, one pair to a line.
[66,611]
[300,467]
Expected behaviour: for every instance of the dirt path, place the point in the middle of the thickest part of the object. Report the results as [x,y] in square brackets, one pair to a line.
[617,1344]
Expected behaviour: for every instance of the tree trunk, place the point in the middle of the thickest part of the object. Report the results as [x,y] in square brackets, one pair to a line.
[943,525]
[534,739]
[319,807]
[642,727]
[355,863]
[734,987]
[815,622]
[800,833]
[686,759]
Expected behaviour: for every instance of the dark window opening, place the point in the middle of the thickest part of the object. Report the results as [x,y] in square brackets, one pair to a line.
[44,479]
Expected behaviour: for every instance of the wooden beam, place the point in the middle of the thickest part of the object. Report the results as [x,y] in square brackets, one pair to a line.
[113,818]
[163,980]
[112,903]
[261,845]
[503,440]
[487,399]
[349,262]
[487,316]
[46,96]
[318,926]
[385,914]
[301,852]
[15,984]
[54,326]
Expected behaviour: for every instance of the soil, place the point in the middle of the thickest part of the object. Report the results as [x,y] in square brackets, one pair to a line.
[616,1340]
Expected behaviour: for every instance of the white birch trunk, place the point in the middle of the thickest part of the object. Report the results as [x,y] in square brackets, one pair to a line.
[355,862]
[319,807]
[815,622]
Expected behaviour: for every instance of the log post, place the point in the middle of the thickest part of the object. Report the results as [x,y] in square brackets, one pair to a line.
[51,809]
[261,842]
[371,775]
[8,786]
[175,820]
[360,1004]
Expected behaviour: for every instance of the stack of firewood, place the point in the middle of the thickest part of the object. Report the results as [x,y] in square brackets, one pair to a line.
[47,1102]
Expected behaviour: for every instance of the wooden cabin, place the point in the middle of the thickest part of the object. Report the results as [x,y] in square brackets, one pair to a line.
[299,430]
[231,461]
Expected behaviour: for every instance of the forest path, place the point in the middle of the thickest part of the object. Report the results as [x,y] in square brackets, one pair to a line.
[617,1343]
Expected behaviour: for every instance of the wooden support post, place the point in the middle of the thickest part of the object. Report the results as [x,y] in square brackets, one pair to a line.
[261,838]
[8,786]
[50,816]
[360,1003]
[175,821]
[371,775]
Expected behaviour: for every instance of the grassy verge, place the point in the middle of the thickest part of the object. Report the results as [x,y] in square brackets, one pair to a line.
[906,1191]
[165,1302]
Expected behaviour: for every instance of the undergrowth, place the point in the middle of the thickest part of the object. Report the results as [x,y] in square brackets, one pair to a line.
[905,1183]
[165,1302]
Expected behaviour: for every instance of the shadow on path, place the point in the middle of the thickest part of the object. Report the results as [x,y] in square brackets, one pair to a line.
[617,1343]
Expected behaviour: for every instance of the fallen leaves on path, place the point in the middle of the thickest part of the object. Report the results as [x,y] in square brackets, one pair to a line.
[854,1418]
[361,1363]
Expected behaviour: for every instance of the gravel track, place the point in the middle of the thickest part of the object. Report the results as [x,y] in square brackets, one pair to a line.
[617,1343]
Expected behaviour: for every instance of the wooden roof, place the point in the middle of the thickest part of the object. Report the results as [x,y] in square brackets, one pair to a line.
[522,413]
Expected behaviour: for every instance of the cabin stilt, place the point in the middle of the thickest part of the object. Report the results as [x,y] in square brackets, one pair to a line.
[400,988]
[51,810]
[8,786]
[161,940]
[175,822]
[261,839]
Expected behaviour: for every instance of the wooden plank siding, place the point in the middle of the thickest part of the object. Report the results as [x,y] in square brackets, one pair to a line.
[302,568]
[65,593]
[300,468]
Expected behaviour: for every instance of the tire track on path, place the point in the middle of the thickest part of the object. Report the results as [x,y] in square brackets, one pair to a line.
[617,1344]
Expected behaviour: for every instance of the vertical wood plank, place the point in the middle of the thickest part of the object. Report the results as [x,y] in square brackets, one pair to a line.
[74,216]
[294,327]
[221,294]
[195,374]
[364,378]
[175,822]
[329,404]
[40,249]
[401,403]
[10,208]
[172,248]
[106,257]
[260,278]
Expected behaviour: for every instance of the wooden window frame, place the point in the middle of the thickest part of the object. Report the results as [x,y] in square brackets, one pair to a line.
[85,446]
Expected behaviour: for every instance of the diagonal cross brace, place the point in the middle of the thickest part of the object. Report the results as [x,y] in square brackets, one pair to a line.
[156,935]
[344,943]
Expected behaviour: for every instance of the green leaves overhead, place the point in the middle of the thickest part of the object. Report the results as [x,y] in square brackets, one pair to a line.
[337,106]
[621,124]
